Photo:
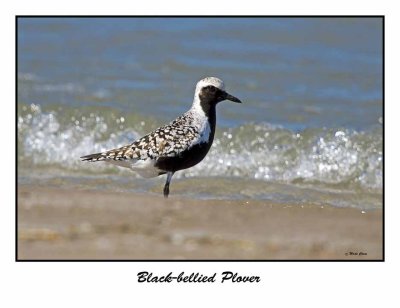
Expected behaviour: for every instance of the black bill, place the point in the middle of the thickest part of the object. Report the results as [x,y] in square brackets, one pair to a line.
[232,98]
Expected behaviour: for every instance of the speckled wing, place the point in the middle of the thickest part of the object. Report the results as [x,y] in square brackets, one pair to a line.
[166,141]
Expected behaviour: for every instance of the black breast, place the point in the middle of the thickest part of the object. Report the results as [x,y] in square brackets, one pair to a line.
[185,159]
[192,156]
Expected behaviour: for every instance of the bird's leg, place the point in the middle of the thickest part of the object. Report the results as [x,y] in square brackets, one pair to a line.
[166,187]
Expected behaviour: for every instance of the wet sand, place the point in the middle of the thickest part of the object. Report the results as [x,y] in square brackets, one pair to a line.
[71,224]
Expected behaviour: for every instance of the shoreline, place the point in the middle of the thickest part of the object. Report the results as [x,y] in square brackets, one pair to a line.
[66,224]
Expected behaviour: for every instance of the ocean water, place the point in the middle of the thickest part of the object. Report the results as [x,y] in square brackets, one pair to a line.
[309,129]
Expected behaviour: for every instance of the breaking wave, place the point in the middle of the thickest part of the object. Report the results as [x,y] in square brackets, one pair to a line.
[341,157]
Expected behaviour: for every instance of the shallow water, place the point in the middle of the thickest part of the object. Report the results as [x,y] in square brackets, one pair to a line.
[309,128]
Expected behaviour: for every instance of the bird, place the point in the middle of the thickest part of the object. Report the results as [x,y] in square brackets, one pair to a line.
[179,145]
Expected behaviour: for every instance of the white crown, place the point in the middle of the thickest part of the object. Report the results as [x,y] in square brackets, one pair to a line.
[210,81]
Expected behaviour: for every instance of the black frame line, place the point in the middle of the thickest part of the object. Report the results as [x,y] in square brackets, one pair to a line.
[199,16]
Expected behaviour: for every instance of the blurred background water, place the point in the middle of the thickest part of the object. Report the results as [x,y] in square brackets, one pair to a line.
[309,129]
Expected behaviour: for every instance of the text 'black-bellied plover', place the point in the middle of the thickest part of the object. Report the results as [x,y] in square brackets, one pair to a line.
[179,145]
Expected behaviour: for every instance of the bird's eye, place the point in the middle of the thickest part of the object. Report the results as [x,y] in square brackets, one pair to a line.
[212,89]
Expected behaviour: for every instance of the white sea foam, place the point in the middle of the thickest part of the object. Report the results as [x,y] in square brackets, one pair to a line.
[254,151]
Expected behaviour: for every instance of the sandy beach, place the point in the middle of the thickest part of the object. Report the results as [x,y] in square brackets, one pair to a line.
[71,224]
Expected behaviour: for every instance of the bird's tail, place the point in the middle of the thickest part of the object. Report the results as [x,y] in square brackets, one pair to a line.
[121,153]
[94,157]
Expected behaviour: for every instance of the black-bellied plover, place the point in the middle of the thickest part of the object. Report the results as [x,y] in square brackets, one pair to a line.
[179,145]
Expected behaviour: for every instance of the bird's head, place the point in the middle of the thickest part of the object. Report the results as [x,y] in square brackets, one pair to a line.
[211,90]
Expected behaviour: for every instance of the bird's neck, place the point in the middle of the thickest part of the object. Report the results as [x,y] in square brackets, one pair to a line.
[212,120]
[205,111]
